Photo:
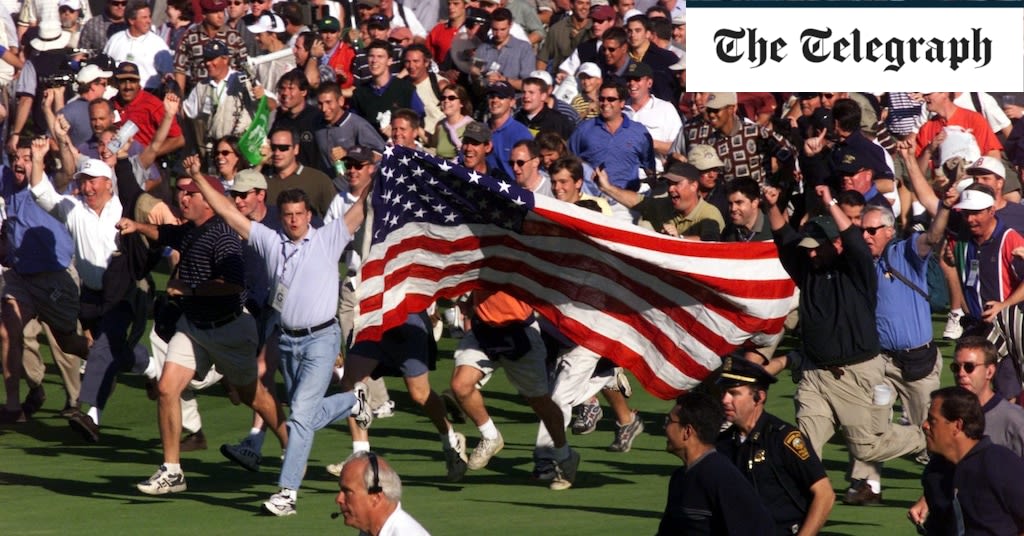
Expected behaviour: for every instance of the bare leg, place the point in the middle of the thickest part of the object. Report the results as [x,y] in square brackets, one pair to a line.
[463,384]
[173,381]
[257,397]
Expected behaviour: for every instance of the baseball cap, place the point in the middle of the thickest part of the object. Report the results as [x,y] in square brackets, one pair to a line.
[590,69]
[679,65]
[543,76]
[806,96]
[721,100]
[268,22]
[212,6]
[501,89]
[73,4]
[638,70]
[972,199]
[329,24]
[245,180]
[476,131]
[94,168]
[679,19]
[214,48]
[378,21]
[360,154]
[211,180]
[987,165]
[703,157]
[90,72]
[677,171]
[602,13]
[819,231]
[127,70]
[744,372]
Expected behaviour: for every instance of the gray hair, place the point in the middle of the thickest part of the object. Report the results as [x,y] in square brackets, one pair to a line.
[888,219]
[390,483]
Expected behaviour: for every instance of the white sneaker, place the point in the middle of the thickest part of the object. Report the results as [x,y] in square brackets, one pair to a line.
[361,411]
[280,504]
[335,468]
[953,328]
[162,483]
[622,382]
[385,410]
[484,451]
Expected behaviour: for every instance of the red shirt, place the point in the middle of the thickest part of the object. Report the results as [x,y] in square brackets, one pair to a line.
[439,40]
[146,111]
[342,59]
[968,120]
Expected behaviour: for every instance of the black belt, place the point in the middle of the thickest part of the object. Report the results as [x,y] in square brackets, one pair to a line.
[217,323]
[908,350]
[307,331]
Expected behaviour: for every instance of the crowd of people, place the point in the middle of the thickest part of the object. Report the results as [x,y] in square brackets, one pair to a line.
[236,143]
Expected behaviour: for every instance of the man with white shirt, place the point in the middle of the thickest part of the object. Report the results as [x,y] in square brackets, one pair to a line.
[659,116]
[139,45]
[370,498]
[271,36]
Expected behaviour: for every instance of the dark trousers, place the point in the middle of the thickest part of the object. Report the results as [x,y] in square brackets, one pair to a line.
[111,353]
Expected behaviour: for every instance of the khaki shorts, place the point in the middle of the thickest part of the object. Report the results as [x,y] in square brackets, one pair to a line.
[528,374]
[231,347]
[50,296]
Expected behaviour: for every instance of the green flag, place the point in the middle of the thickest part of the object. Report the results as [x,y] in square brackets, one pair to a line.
[252,138]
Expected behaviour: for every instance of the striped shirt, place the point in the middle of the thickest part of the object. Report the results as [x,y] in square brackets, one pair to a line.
[211,251]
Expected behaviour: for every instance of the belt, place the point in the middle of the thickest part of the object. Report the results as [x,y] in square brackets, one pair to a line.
[908,350]
[308,331]
[219,322]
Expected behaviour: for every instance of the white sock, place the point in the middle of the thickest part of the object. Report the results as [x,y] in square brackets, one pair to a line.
[488,430]
[290,493]
[875,485]
[173,468]
[95,412]
[339,372]
[360,446]
[450,437]
[956,312]
[152,369]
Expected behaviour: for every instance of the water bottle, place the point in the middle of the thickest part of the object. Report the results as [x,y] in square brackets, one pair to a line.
[339,166]
[125,133]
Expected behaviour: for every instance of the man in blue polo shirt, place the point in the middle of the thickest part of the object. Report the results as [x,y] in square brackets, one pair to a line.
[904,320]
[617,143]
[505,131]
[303,266]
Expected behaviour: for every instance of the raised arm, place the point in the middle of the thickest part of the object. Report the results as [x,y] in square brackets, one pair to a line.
[128,226]
[68,152]
[356,214]
[172,103]
[220,203]
[842,221]
[40,146]
[628,198]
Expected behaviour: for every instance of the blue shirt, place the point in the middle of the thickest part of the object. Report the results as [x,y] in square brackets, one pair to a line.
[502,140]
[623,152]
[516,60]
[36,241]
[904,317]
[308,270]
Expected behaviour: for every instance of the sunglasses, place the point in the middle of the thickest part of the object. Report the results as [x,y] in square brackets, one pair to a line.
[828,95]
[610,49]
[118,4]
[225,153]
[713,111]
[449,97]
[236,195]
[520,163]
[968,367]
[607,99]
[279,147]
[237,3]
[356,165]
[872,230]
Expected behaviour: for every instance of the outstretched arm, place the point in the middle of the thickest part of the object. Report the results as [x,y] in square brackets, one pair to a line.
[628,198]
[220,203]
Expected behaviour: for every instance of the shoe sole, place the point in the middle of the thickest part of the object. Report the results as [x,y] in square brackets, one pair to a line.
[331,469]
[226,451]
[269,508]
[162,491]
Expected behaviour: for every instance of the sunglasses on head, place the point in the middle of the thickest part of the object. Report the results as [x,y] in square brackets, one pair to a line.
[968,367]
[280,147]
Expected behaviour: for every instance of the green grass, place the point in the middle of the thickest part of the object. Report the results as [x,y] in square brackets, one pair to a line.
[51,482]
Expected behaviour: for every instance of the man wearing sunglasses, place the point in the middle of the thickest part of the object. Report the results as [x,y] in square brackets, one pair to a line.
[973,367]
[904,320]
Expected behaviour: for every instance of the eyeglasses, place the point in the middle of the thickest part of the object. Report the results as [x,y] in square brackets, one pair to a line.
[236,195]
[225,152]
[520,163]
[713,111]
[968,367]
[669,420]
[607,99]
[828,95]
[279,147]
[449,97]
[872,230]
[610,49]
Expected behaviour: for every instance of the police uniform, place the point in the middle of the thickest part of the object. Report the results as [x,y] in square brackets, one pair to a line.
[775,457]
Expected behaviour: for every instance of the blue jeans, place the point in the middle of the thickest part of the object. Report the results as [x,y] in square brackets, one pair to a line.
[307,364]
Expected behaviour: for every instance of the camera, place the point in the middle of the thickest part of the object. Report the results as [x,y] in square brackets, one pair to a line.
[57,80]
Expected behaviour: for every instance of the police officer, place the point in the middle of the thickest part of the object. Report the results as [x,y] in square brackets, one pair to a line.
[771,454]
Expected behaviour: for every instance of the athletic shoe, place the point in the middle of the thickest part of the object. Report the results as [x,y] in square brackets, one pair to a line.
[194,441]
[452,406]
[361,411]
[923,457]
[385,410]
[280,504]
[162,483]
[587,416]
[622,381]
[33,400]
[83,424]
[626,433]
[565,472]
[953,328]
[860,494]
[484,451]
[335,468]
[543,469]
[243,454]
[455,458]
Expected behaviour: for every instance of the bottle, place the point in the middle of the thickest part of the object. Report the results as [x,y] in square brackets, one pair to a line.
[339,166]
[125,133]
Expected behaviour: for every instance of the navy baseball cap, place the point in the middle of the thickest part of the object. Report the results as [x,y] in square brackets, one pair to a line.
[215,49]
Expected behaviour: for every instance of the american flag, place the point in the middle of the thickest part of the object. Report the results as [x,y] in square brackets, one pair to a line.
[662,307]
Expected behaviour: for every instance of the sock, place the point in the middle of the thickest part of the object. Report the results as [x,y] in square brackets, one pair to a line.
[290,493]
[875,485]
[360,446]
[562,453]
[95,412]
[152,370]
[450,437]
[173,468]
[255,438]
[488,430]
[957,312]
[339,372]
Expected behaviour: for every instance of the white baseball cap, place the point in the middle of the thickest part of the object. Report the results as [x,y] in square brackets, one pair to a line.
[590,69]
[91,72]
[974,200]
[543,75]
[73,4]
[987,165]
[94,168]
[268,22]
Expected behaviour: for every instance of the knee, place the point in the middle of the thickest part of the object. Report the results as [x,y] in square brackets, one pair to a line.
[463,385]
